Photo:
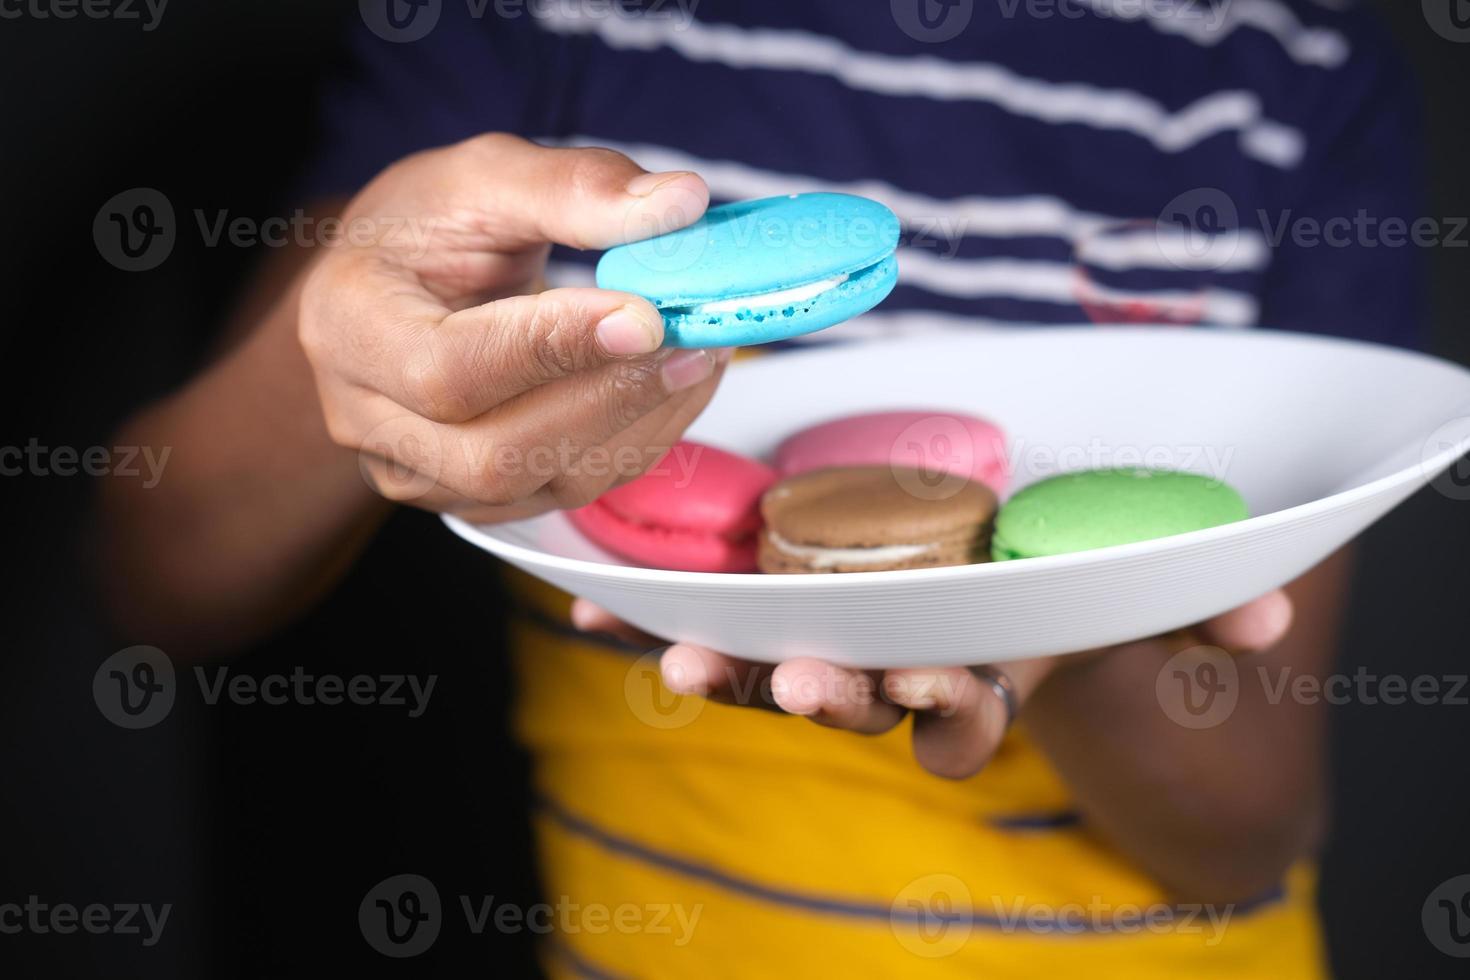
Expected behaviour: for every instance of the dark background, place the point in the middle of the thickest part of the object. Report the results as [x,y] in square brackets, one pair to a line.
[264,827]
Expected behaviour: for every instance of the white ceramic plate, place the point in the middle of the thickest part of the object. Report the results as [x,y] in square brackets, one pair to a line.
[1321,436]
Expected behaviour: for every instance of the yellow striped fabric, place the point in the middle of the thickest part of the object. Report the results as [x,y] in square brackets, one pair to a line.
[683,838]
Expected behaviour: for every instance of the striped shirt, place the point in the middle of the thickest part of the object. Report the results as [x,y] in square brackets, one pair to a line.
[1051,161]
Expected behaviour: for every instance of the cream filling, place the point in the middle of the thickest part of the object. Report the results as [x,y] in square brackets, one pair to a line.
[761,301]
[832,557]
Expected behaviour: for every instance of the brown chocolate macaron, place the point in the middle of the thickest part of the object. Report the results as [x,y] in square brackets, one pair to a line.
[871,519]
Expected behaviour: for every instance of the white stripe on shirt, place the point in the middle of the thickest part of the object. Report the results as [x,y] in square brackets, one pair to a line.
[1063,284]
[1208,25]
[1119,110]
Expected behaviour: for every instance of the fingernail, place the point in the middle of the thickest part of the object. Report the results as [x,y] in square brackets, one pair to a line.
[687,368]
[626,331]
[644,185]
[906,693]
[681,675]
[723,355]
[791,702]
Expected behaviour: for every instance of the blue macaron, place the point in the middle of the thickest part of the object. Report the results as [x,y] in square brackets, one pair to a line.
[758,271]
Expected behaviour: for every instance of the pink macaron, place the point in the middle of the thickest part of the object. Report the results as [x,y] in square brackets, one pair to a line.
[696,510]
[938,442]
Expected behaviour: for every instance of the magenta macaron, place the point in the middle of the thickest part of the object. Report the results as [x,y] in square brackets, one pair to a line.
[696,510]
[936,442]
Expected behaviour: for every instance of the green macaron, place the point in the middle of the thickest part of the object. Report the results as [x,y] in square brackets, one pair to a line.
[1101,508]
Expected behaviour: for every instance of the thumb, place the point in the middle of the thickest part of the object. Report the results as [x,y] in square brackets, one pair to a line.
[1258,625]
[587,198]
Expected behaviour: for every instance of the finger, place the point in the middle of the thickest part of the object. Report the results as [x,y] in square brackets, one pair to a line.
[836,697]
[370,324]
[659,430]
[551,437]
[484,211]
[1255,626]
[586,198]
[452,367]
[649,439]
[476,513]
[700,671]
[483,356]
[589,617]
[564,429]
[959,722]
[401,457]
[394,481]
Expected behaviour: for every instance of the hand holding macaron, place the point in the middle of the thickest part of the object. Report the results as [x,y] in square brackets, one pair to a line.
[441,359]
[462,383]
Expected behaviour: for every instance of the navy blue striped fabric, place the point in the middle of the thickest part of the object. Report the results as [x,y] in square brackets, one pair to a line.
[1053,160]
